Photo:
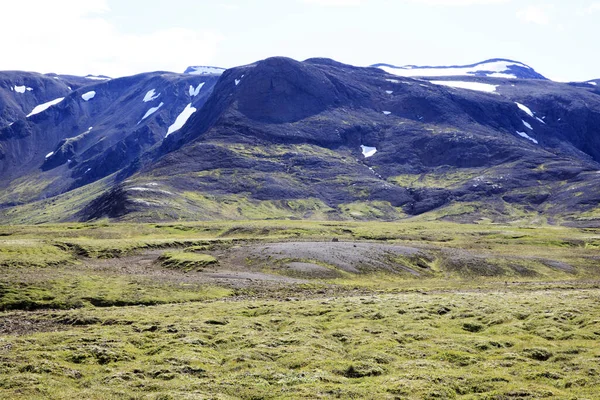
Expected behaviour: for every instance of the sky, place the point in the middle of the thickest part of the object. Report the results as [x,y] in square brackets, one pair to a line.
[558,38]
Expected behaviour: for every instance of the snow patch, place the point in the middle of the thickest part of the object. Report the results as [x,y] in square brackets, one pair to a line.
[50,154]
[22,89]
[143,189]
[497,69]
[389,91]
[151,111]
[526,136]
[150,95]
[386,112]
[527,124]
[205,71]
[501,75]
[593,83]
[368,151]
[42,107]
[181,119]
[392,80]
[541,120]
[196,92]
[97,78]
[480,87]
[88,96]
[525,109]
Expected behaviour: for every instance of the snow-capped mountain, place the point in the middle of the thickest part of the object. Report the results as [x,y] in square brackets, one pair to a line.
[494,68]
[282,138]
[202,70]
[82,129]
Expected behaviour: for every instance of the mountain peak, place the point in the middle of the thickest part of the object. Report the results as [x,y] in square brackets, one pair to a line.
[492,68]
[203,70]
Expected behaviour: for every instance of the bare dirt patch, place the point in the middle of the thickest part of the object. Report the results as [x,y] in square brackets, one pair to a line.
[22,323]
[352,257]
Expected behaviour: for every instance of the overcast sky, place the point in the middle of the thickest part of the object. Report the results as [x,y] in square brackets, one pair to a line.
[559,38]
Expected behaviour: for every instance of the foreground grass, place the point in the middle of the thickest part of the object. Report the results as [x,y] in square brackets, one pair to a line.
[518,318]
[471,345]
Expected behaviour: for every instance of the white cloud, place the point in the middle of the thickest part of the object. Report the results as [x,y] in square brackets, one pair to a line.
[535,15]
[342,3]
[334,3]
[75,37]
[459,2]
[594,7]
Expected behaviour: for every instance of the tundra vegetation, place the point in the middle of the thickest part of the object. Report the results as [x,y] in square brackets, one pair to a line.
[299,309]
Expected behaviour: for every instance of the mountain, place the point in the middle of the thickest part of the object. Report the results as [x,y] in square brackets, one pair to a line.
[59,137]
[493,68]
[202,70]
[315,139]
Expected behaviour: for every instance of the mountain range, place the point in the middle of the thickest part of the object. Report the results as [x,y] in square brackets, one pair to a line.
[494,141]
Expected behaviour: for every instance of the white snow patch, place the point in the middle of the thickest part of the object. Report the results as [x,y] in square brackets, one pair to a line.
[69,87]
[97,78]
[42,107]
[368,151]
[480,87]
[501,75]
[50,154]
[541,120]
[87,170]
[206,71]
[196,92]
[593,83]
[527,124]
[150,95]
[392,80]
[143,189]
[526,136]
[22,89]
[525,109]
[88,96]
[181,119]
[151,111]
[386,112]
[494,68]
[389,91]
[237,81]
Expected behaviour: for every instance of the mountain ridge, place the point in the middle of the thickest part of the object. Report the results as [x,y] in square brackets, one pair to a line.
[284,139]
[494,67]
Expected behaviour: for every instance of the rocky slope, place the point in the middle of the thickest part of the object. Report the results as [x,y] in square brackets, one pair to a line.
[320,139]
[62,136]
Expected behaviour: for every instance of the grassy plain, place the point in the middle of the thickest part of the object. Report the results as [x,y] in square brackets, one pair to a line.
[194,311]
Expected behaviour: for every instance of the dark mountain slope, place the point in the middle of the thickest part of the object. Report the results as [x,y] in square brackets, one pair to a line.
[281,138]
[93,132]
[21,92]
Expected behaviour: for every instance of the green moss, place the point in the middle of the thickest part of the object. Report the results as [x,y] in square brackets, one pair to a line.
[55,209]
[436,179]
[186,261]
[32,253]
[370,210]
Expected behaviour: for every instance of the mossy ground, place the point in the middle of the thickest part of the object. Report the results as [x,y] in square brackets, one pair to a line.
[73,328]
